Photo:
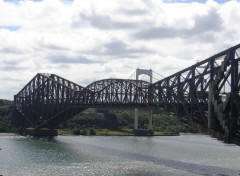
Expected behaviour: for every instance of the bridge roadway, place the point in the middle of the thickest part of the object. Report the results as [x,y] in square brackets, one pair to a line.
[206,93]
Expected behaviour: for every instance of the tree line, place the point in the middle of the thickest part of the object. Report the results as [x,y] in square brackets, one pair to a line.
[92,122]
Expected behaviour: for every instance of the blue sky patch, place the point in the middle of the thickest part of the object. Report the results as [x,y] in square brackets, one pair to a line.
[10,28]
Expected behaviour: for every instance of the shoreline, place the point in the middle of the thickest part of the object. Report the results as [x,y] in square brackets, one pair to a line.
[8,134]
[122,135]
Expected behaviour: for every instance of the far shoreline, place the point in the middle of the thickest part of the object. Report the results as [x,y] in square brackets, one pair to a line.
[8,134]
[109,134]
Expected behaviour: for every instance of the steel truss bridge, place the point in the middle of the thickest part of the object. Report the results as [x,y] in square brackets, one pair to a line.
[207,93]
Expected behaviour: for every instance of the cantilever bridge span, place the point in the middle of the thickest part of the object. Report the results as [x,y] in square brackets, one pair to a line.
[48,100]
[207,93]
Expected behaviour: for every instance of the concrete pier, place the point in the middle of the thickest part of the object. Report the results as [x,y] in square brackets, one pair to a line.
[136,119]
[42,132]
[143,132]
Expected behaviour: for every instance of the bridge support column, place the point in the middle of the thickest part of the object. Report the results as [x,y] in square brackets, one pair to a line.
[150,126]
[211,116]
[41,132]
[136,119]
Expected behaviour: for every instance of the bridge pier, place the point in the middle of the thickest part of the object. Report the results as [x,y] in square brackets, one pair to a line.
[143,132]
[148,131]
[150,125]
[211,117]
[136,119]
[41,132]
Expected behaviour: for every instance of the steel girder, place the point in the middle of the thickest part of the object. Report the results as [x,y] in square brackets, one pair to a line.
[44,99]
[206,93]
[48,100]
[117,92]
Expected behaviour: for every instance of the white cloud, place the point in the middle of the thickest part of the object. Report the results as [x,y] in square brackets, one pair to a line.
[89,40]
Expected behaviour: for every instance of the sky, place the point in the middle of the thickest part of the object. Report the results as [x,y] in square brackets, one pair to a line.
[85,41]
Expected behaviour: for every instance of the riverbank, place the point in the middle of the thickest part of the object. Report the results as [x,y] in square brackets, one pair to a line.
[108,132]
[99,132]
[8,134]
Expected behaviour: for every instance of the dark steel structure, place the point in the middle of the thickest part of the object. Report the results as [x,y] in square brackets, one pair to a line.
[116,92]
[207,93]
[48,100]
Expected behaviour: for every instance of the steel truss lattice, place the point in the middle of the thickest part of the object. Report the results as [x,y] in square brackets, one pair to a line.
[207,93]
[48,100]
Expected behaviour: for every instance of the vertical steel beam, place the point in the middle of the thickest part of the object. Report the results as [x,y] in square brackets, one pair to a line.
[191,91]
[234,113]
[211,116]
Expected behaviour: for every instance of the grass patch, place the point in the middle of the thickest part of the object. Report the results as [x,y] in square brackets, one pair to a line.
[65,132]
[107,132]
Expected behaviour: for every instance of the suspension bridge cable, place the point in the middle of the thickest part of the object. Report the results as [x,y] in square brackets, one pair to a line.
[142,77]
[159,74]
[132,75]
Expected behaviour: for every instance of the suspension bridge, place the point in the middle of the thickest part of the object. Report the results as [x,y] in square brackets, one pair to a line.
[206,93]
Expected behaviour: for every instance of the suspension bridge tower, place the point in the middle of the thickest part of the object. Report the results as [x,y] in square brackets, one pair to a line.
[149,73]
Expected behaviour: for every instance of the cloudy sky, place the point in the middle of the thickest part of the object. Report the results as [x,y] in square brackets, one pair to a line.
[88,40]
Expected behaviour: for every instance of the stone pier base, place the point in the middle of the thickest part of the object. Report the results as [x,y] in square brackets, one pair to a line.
[42,132]
[143,132]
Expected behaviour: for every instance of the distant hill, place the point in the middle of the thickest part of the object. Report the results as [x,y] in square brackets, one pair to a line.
[5,102]
[5,114]
[114,120]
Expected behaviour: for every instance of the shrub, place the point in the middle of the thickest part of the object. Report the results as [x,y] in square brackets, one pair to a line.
[92,131]
[76,132]
[84,132]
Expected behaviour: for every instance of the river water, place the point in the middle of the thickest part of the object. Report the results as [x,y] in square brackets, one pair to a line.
[185,155]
